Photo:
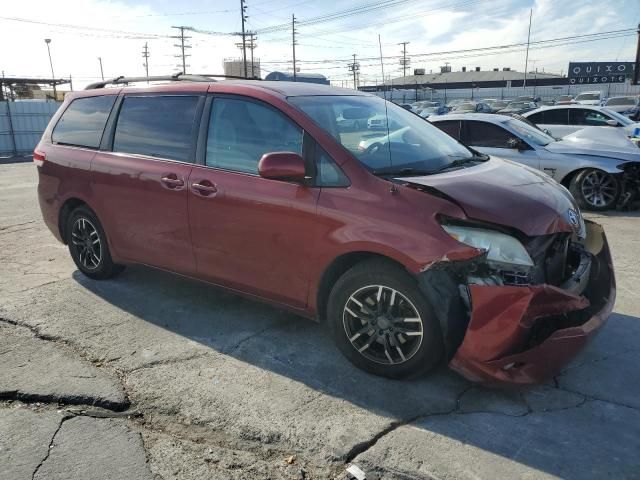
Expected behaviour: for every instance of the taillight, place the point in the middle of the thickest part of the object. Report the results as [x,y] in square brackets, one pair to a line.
[39,158]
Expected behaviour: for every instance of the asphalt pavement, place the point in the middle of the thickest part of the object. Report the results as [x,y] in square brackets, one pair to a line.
[150,375]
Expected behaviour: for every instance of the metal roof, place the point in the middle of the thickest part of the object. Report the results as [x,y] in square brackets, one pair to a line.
[468,76]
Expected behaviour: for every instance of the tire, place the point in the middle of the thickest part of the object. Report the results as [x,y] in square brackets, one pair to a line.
[595,190]
[88,245]
[405,348]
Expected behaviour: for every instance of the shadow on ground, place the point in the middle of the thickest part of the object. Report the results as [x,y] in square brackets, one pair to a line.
[563,432]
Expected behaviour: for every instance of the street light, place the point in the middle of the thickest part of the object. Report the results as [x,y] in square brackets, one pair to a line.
[53,77]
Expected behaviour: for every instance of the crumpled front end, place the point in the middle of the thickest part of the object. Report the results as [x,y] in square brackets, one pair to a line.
[505,328]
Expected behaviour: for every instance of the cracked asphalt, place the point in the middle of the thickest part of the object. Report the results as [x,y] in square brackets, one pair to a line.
[150,375]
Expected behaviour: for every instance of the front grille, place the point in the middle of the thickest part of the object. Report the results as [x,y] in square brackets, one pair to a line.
[515,278]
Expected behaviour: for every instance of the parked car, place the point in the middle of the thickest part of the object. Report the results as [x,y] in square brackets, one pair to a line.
[561,120]
[379,122]
[599,174]
[353,119]
[518,107]
[627,106]
[421,251]
[408,106]
[589,98]
[526,98]
[420,106]
[497,105]
[564,100]
[430,111]
[471,107]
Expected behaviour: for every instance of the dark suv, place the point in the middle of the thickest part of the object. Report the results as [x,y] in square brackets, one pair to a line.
[412,247]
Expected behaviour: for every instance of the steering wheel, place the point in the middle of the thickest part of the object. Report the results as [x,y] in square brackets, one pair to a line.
[373,148]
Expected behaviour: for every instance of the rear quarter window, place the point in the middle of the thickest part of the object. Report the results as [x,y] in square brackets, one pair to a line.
[83,122]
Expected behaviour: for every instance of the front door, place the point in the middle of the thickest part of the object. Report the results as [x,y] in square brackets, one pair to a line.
[494,140]
[141,186]
[251,233]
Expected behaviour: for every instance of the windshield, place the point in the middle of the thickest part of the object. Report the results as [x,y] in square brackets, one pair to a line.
[518,105]
[621,101]
[588,96]
[624,121]
[400,142]
[529,133]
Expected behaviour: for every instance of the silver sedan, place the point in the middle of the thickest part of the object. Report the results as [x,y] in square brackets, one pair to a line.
[602,170]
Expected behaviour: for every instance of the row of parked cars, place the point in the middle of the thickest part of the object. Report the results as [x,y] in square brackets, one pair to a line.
[626,105]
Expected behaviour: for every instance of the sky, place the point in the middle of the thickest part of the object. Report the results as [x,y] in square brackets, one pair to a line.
[117,30]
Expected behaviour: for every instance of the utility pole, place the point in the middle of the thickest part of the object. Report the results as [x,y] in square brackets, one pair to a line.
[53,77]
[252,46]
[145,55]
[293,44]
[101,71]
[526,60]
[182,47]
[636,71]
[403,61]
[243,9]
[354,67]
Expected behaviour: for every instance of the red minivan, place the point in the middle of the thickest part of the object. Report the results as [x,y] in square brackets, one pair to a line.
[412,248]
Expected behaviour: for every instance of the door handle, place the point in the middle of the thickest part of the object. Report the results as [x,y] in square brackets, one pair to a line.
[172,181]
[205,188]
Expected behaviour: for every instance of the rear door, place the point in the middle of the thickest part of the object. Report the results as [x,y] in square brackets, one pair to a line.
[251,233]
[555,121]
[494,140]
[141,183]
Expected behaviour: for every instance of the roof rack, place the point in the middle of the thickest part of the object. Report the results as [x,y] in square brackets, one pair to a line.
[177,77]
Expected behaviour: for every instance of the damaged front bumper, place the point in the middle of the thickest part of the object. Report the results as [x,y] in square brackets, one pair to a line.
[524,334]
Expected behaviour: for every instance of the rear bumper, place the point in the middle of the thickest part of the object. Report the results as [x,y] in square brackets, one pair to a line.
[526,335]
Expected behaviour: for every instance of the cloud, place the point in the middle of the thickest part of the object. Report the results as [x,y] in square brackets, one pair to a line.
[429,26]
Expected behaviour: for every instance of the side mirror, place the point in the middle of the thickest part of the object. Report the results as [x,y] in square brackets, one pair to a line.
[282,166]
[612,123]
[516,143]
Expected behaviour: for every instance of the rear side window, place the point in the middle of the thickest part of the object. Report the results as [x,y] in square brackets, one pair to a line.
[484,134]
[82,123]
[556,117]
[241,131]
[452,127]
[157,126]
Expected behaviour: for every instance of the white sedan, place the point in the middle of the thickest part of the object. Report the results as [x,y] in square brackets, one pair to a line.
[562,120]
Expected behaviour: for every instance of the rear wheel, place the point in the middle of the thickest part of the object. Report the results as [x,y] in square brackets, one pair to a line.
[88,245]
[595,189]
[382,323]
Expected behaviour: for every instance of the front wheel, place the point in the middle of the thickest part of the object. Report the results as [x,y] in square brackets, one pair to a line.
[382,322]
[595,189]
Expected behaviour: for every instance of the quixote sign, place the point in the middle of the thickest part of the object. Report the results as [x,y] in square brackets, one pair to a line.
[599,72]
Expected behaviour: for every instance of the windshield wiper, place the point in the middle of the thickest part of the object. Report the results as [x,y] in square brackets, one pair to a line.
[460,162]
[400,172]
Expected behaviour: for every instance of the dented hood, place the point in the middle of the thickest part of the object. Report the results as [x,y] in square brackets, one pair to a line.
[505,193]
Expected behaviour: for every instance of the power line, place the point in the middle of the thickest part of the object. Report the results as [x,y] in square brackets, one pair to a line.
[82,27]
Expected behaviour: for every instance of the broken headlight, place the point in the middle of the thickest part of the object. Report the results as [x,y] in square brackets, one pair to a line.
[503,251]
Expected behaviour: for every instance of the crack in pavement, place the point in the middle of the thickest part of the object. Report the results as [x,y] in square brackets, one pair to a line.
[16,225]
[53,437]
[165,361]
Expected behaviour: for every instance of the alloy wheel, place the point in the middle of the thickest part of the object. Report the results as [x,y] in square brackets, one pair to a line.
[382,324]
[599,189]
[86,240]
